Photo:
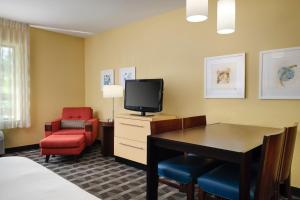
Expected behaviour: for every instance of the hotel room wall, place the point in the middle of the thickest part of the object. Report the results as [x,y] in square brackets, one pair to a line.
[57,80]
[168,47]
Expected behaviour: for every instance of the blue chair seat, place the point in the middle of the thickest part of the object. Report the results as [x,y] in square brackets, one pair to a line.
[224,181]
[185,169]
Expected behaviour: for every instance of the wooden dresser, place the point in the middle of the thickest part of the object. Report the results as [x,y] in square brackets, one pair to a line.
[131,131]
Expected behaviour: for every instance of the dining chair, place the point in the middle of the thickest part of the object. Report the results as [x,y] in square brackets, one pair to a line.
[181,171]
[286,161]
[163,126]
[191,122]
[224,181]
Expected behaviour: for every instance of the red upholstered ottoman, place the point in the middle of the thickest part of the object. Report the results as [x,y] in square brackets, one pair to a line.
[62,145]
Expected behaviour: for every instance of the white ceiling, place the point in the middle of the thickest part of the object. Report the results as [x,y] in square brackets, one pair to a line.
[83,17]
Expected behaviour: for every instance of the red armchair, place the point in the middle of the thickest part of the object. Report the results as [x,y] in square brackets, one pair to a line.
[89,131]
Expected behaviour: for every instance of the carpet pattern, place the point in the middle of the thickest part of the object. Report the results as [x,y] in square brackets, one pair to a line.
[102,176]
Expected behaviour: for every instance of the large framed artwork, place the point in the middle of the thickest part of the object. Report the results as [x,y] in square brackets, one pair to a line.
[280,74]
[107,77]
[224,76]
[126,73]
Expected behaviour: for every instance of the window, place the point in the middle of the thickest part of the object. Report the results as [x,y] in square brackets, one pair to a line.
[14,75]
[6,82]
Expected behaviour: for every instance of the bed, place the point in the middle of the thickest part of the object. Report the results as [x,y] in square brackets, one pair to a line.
[24,179]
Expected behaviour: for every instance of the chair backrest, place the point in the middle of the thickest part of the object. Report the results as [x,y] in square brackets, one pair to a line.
[287,153]
[77,113]
[268,174]
[191,122]
[163,126]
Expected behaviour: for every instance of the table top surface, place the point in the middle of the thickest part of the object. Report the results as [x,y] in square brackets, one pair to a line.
[232,137]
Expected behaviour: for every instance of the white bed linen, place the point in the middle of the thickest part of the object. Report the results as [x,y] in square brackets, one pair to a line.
[24,179]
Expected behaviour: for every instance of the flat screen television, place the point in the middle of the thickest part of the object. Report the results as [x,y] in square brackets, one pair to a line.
[144,95]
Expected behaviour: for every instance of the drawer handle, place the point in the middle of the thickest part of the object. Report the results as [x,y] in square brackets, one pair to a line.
[132,125]
[127,145]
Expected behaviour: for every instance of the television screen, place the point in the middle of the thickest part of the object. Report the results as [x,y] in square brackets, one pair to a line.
[144,95]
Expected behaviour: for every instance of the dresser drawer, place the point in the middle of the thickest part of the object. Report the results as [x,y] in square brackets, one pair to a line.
[131,150]
[132,129]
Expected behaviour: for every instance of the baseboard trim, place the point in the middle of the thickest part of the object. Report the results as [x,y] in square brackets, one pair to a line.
[131,163]
[22,148]
[296,192]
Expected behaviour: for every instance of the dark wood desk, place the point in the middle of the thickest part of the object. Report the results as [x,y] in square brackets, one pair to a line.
[107,138]
[227,142]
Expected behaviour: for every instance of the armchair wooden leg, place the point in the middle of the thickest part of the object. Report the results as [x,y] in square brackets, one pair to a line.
[190,191]
[77,157]
[201,194]
[47,158]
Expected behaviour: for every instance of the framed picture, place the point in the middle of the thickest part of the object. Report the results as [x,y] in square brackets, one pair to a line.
[280,74]
[224,76]
[126,73]
[107,77]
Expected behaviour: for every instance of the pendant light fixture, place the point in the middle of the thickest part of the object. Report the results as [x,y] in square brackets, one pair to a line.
[196,10]
[226,16]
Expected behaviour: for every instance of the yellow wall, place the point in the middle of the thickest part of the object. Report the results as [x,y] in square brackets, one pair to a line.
[167,46]
[57,80]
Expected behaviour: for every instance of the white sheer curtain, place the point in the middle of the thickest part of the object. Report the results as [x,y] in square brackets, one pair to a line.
[14,75]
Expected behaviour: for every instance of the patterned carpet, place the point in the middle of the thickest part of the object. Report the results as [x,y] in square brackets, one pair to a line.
[102,176]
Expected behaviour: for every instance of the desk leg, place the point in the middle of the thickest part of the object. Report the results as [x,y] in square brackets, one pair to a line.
[245,170]
[152,177]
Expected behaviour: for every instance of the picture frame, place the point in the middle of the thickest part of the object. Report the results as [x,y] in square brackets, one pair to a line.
[107,77]
[224,76]
[126,73]
[279,74]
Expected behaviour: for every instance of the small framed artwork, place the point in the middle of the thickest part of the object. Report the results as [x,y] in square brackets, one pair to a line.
[224,76]
[126,73]
[107,77]
[280,74]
